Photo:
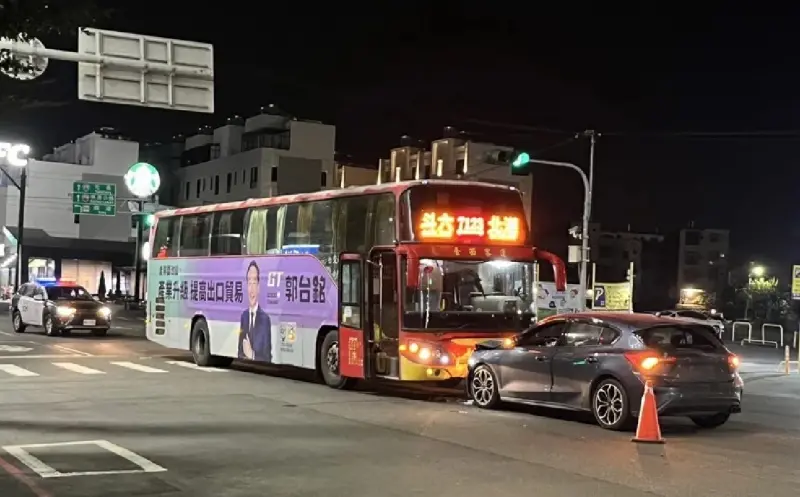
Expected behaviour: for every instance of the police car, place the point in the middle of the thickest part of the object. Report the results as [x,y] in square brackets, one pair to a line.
[58,307]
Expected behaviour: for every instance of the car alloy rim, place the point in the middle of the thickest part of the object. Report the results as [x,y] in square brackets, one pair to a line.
[48,325]
[16,321]
[482,386]
[608,403]
[332,358]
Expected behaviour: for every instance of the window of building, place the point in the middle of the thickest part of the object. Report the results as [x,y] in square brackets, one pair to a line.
[235,178]
[714,237]
[216,185]
[195,231]
[253,177]
[274,174]
[460,166]
[691,258]
[165,240]
[692,237]
[205,185]
[226,232]
[187,190]
[198,188]
[229,183]
[324,179]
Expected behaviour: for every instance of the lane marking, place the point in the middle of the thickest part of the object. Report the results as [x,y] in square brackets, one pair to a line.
[138,367]
[15,370]
[76,368]
[74,351]
[192,365]
[45,471]
[7,334]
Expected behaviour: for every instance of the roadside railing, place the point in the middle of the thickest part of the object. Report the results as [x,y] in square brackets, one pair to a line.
[761,338]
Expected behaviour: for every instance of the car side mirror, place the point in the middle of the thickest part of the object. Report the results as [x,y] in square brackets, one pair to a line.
[38,298]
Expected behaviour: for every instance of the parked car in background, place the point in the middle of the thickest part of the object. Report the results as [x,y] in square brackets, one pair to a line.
[600,361]
[717,321]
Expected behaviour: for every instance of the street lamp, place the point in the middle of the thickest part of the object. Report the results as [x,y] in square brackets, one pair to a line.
[143,181]
[16,155]
[758,271]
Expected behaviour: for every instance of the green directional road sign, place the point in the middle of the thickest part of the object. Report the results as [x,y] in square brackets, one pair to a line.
[94,199]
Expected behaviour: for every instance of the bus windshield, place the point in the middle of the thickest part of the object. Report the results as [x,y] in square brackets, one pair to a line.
[470,296]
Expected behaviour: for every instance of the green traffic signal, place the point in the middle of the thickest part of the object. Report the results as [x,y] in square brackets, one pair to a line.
[522,159]
[148,220]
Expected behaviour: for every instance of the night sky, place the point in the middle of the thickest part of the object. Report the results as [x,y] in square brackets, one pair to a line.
[646,81]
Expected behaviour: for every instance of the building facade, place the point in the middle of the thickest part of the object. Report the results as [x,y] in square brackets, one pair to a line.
[57,243]
[261,156]
[702,265]
[453,157]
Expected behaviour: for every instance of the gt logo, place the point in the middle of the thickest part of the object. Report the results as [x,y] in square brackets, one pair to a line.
[274,278]
[15,154]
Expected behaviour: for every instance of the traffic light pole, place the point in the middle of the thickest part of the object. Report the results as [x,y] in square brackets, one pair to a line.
[137,264]
[587,214]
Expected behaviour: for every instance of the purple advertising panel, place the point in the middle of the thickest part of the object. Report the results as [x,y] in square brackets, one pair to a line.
[265,308]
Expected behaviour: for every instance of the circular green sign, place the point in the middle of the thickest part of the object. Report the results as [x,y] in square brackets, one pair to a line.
[142,179]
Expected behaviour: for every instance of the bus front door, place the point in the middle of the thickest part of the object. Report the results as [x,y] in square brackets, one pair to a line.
[353,320]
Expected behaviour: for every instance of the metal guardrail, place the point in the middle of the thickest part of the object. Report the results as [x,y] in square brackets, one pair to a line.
[741,324]
[763,340]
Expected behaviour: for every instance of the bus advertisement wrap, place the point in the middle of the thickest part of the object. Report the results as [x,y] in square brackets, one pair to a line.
[263,308]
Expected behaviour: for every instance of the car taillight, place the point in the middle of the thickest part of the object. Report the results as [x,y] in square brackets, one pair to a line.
[733,361]
[647,361]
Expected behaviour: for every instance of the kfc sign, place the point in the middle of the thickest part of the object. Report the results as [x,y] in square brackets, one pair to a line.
[14,154]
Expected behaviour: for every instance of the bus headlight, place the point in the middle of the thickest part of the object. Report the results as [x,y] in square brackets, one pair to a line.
[104,312]
[425,353]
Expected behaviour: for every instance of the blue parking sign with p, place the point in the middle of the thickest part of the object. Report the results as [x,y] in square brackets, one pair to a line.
[599,296]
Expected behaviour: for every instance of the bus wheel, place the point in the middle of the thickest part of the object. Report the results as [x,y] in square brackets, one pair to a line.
[329,363]
[201,347]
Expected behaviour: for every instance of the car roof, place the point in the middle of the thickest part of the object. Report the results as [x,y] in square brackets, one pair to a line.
[632,321]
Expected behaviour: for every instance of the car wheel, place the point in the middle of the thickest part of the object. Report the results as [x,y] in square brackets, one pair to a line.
[16,322]
[100,333]
[329,363]
[50,326]
[201,348]
[484,390]
[610,405]
[712,421]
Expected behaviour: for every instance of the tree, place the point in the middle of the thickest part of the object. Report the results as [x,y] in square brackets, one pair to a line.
[101,288]
[50,22]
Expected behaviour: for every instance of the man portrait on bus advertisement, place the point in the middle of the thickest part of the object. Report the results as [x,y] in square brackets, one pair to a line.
[255,340]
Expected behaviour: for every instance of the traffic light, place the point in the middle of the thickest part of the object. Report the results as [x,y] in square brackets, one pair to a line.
[147,219]
[519,162]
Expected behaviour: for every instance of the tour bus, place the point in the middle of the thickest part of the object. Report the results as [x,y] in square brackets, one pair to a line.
[396,281]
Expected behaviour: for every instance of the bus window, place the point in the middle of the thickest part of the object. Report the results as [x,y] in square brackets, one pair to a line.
[355,212]
[258,228]
[195,234]
[226,232]
[321,232]
[165,243]
[384,220]
[291,232]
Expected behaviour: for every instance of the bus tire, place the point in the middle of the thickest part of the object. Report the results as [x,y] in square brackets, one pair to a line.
[329,363]
[201,347]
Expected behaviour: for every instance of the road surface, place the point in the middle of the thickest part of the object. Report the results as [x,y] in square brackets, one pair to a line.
[118,416]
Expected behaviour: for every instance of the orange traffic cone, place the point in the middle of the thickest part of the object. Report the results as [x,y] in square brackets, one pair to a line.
[648,429]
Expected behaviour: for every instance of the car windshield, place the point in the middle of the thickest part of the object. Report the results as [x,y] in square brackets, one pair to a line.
[466,295]
[68,293]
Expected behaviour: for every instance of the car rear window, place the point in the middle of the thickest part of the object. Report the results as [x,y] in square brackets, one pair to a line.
[673,337]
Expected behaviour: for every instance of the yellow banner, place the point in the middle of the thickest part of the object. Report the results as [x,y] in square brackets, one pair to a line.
[795,282]
[612,296]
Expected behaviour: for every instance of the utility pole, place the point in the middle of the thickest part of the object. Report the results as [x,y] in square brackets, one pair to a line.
[587,214]
[137,260]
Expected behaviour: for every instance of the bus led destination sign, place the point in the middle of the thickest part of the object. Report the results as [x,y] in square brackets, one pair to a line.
[443,225]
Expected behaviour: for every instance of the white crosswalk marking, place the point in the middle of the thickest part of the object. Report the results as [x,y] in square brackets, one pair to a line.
[138,367]
[77,368]
[192,365]
[16,370]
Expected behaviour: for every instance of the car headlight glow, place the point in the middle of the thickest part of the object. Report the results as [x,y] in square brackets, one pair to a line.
[104,312]
[64,311]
